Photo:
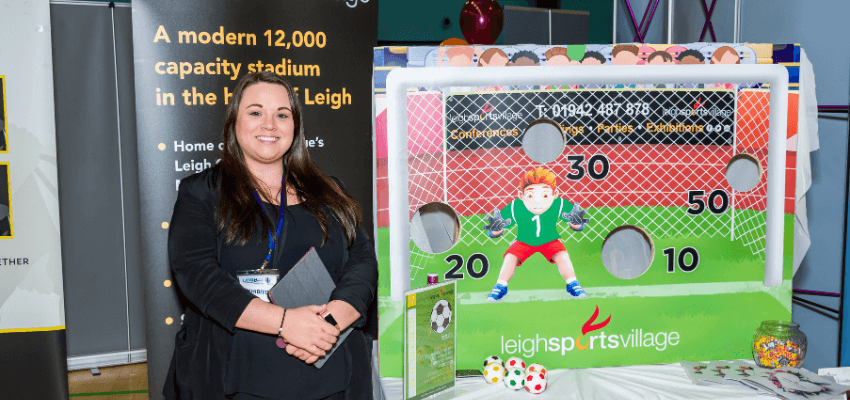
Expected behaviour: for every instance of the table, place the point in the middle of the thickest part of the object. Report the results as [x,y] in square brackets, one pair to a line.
[658,381]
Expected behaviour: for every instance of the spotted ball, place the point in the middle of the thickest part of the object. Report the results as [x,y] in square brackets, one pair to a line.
[535,383]
[515,362]
[492,359]
[494,373]
[535,368]
[515,378]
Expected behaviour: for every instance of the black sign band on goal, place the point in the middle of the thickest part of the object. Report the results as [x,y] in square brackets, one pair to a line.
[592,117]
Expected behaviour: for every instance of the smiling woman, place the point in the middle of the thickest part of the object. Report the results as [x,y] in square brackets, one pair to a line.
[221,227]
[264,131]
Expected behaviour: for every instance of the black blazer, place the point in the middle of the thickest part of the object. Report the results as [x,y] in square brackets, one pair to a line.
[215,300]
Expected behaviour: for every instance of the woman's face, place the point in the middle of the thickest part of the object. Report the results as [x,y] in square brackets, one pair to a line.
[264,124]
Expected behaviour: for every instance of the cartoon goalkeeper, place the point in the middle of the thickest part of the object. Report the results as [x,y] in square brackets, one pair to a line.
[536,214]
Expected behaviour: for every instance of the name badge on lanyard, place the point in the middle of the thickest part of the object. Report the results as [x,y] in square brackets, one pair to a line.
[260,281]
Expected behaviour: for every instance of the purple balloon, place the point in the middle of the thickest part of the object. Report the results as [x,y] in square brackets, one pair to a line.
[481,21]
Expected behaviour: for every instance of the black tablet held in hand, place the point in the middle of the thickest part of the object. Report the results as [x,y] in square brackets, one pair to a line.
[307,283]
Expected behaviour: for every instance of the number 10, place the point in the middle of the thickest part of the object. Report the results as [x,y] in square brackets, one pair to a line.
[670,252]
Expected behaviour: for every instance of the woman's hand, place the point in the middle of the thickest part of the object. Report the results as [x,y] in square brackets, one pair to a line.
[344,314]
[301,354]
[306,330]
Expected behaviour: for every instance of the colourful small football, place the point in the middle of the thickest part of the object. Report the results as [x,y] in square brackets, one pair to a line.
[515,378]
[493,359]
[494,373]
[535,368]
[535,383]
[515,362]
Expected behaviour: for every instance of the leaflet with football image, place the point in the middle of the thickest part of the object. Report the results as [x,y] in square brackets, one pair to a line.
[430,330]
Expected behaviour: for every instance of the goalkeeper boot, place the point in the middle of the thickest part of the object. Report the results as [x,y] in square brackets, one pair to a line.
[575,291]
[498,293]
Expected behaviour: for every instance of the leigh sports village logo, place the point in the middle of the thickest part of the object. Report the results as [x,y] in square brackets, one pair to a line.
[590,339]
[487,108]
[698,103]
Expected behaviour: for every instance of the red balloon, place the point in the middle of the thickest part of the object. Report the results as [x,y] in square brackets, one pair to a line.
[481,21]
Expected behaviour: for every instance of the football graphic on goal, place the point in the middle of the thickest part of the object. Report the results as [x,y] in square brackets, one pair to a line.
[441,316]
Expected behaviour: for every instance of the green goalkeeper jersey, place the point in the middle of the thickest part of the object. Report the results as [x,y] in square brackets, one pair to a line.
[534,229]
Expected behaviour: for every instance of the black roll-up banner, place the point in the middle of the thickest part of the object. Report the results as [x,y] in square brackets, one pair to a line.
[189,55]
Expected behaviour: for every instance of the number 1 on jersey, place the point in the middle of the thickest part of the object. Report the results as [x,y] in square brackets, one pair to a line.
[536,218]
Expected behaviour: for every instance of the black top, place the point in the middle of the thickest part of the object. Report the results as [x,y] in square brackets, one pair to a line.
[212,357]
[256,364]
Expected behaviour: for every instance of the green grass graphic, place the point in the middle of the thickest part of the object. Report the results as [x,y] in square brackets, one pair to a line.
[702,321]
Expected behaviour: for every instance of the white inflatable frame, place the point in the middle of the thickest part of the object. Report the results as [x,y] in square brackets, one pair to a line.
[399,80]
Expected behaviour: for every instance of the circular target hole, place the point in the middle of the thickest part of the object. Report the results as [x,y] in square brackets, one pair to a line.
[627,252]
[543,140]
[435,228]
[743,172]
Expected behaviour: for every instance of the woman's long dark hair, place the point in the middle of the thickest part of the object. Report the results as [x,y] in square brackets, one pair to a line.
[237,209]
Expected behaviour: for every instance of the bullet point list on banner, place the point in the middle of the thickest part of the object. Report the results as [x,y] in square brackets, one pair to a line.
[161,146]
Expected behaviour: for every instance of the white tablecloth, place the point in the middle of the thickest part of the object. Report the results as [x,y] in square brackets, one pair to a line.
[660,381]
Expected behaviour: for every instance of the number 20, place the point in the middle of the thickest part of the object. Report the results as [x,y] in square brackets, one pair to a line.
[457,259]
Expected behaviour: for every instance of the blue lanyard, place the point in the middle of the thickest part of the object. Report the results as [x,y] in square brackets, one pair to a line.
[272,239]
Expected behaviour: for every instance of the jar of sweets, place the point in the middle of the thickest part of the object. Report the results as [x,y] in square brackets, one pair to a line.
[779,344]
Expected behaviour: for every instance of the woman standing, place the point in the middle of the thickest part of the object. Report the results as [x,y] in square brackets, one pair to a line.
[266,204]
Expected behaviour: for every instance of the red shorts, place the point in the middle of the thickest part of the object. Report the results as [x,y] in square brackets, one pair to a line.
[522,251]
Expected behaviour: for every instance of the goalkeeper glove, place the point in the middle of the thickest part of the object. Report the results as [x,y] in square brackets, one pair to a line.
[496,223]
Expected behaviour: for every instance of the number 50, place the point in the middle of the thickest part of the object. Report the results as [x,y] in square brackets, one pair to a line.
[695,199]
